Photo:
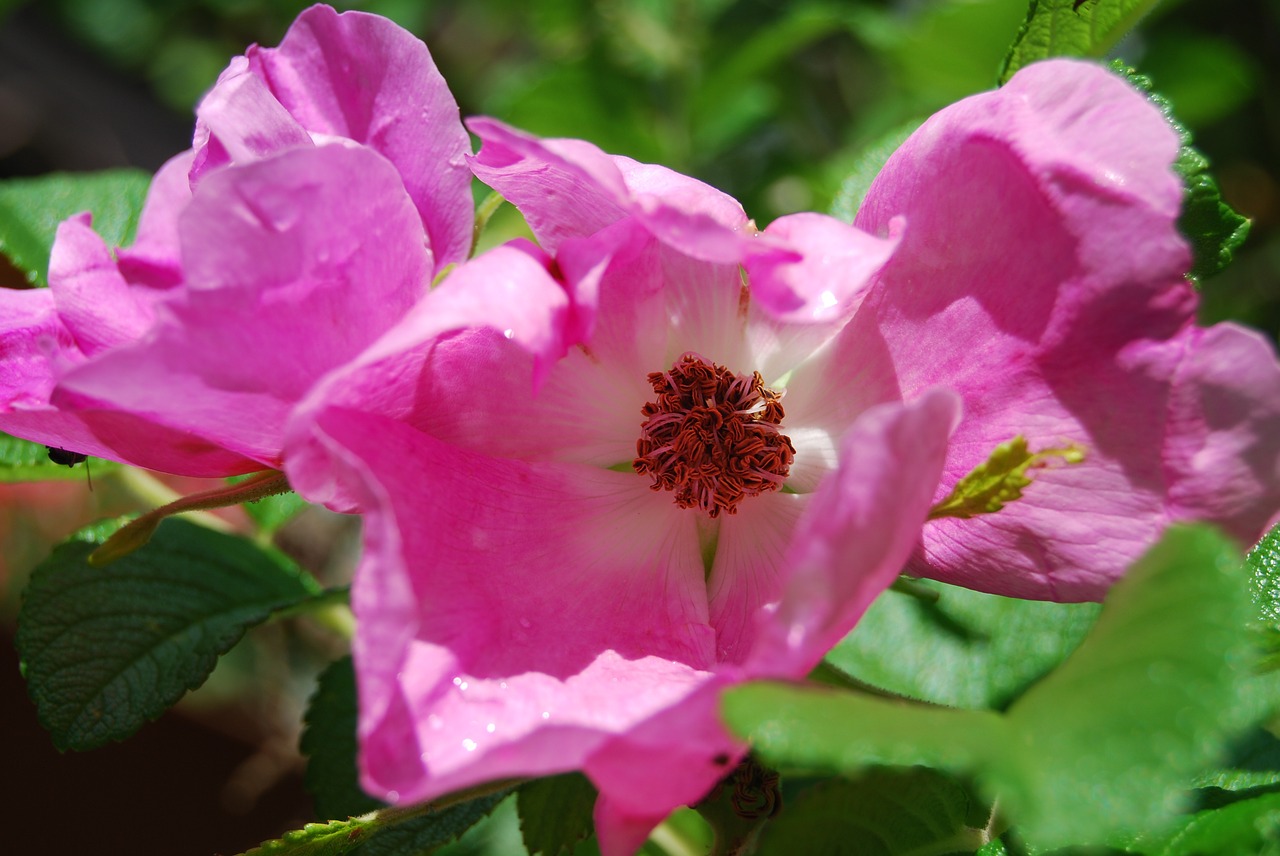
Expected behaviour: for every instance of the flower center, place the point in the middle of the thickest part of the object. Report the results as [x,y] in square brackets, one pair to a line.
[712,436]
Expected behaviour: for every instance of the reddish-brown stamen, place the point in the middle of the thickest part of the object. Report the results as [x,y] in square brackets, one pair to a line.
[712,436]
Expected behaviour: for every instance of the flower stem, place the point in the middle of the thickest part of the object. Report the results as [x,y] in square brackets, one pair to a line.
[138,532]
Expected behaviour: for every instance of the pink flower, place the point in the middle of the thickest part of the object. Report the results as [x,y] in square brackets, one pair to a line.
[677,453]
[326,188]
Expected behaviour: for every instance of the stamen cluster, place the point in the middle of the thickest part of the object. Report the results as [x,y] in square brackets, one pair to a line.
[712,437]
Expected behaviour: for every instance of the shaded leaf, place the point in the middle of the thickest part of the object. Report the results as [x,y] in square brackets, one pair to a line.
[329,742]
[885,812]
[106,650]
[555,813]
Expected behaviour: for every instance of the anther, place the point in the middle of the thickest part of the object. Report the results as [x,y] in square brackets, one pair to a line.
[712,437]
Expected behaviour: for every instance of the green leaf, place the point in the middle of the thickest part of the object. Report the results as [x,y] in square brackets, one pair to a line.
[1104,742]
[1254,763]
[1213,229]
[24,461]
[885,812]
[32,208]
[1088,28]
[329,742]
[965,649]
[390,832]
[106,650]
[427,832]
[1244,828]
[555,813]
[339,838]
[1263,562]
[1145,702]
[865,169]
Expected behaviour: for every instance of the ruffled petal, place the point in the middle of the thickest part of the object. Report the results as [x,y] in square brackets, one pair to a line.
[856,533]
[247,121]
[361,77]
[575,608]
[294,265]
[155,259]
[1040,274]
[94,302]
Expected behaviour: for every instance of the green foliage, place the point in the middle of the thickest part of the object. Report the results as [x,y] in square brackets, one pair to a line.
[885,812]
[1247,828]
[965,648]
[555,813]
[32,208]
[24,461]
[1088,28]
[106,650]
[329,742]
[417,830]
[1263,562]
[1103,743]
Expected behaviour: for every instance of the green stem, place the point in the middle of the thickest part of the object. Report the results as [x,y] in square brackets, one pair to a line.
[138,532]
[484,213]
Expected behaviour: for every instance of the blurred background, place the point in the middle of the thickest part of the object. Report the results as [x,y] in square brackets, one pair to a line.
[770,101]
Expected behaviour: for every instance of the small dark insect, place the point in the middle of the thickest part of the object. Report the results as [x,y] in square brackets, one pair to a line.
[64,458]
[1075,7]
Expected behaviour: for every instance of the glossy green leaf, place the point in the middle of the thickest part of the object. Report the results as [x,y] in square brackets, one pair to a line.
[555,813]
[885,812]
[964,648]
[32,208]
[1245,828]
[1263,562]
[329,742]
[1088,28]
[106,650]
[24,461]
[425,833]
[1106,741]
[412,831]
[1148,700]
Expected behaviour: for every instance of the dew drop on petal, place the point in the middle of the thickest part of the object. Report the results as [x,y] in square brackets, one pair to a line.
[502,685]
[469,745]
[509,333]
[491,727]
[435,722]
[546,714]
[393,796]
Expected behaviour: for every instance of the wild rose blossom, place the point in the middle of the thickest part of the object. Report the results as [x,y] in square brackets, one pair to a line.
[677,453]
[326,188]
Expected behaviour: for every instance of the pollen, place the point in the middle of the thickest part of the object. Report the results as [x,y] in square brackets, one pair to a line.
[712,437]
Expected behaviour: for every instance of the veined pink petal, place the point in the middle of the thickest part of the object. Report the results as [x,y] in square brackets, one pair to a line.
[35,347]
[1040,274]
[294,265]
[361,77]
[577,608]
[463,365]
[94,302]
[564,188]
[247,121]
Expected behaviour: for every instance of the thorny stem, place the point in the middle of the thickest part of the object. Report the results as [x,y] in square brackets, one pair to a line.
[137,532]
